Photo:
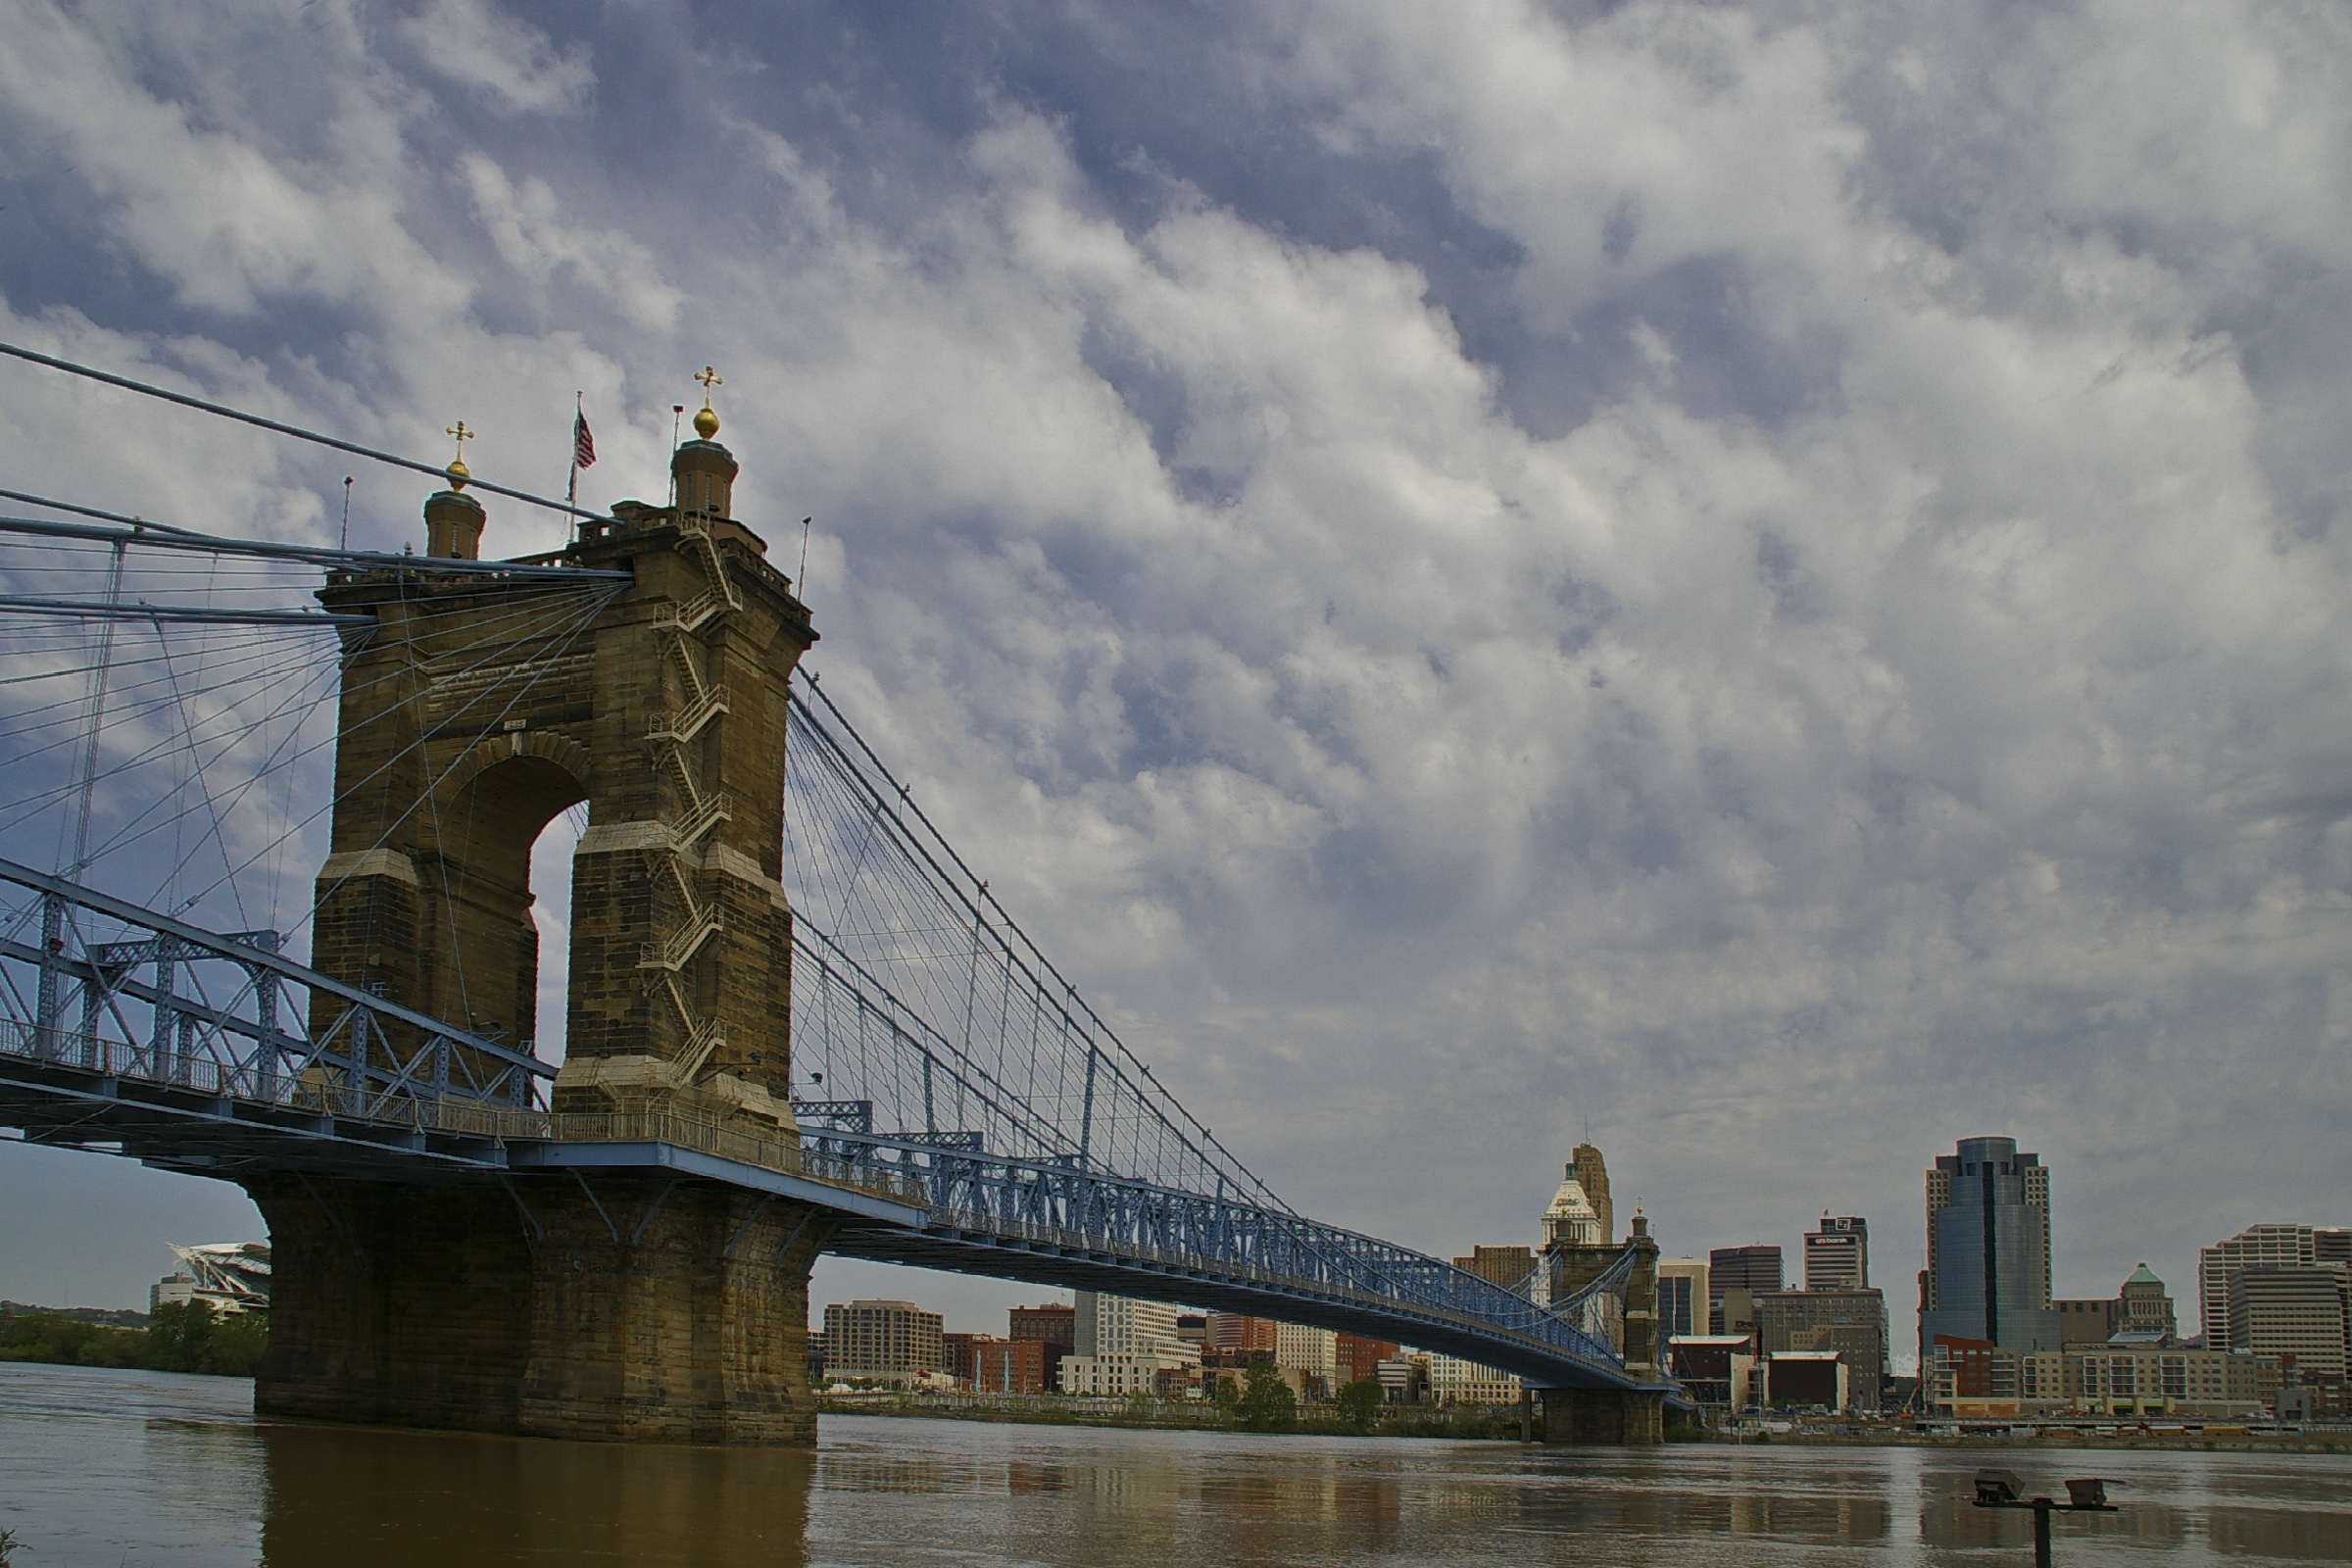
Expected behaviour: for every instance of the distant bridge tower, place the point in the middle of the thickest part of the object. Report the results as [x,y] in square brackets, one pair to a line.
[1578,1251]
[474,711]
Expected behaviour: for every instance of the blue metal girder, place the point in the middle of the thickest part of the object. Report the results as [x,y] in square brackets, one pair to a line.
[1054,1225]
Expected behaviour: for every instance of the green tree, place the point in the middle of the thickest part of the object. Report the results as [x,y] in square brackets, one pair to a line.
[1360,1404]
[178,1335]
[236,1344]
[1267,1403]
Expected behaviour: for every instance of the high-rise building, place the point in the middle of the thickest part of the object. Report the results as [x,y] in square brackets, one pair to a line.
[1231,1331]
[895,1342]
[1307,1349]
[1683,1299]
[2145,1308]
[1593,1175]
[1053,1326]
[1989,1249]
[1743,1269]
[1358,1358]
[1837,1255]
[1511,1267]
[2218,1266]
[2302,1310]
[1571,1218]
[1124,1347]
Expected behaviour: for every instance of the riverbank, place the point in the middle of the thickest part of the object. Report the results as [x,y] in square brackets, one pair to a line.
[1495,1425]
[1458,1424]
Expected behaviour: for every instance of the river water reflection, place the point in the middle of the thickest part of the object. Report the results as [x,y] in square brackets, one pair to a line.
[104,1469]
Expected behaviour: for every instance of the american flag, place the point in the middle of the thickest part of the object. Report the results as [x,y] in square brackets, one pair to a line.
[583,445]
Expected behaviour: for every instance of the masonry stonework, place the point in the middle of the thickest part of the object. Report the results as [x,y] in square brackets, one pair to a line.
[475,711]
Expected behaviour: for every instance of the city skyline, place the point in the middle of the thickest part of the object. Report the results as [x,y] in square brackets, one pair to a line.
[1505,572]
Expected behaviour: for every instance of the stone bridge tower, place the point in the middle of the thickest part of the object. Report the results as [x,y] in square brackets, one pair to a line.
[474,711]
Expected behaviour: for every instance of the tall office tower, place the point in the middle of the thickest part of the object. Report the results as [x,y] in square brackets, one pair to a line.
[1683,1299]
[1315,1351]
[1231,1331]
[1593,1174]
[1571,1218]
[2143,1307]
[2298,1310]
[1511,1267]
[1743,1269]
[895,1341]
[1989,1249]
[1837,1255]
[1053,1326]
[1124,1345]
[1736,1275]
[2219,1266]
[1358,1358]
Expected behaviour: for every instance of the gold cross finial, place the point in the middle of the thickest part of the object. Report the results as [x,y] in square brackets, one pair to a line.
[705,424]
[459,473]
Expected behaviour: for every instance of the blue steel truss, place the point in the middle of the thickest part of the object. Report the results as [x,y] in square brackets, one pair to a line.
[962,1106]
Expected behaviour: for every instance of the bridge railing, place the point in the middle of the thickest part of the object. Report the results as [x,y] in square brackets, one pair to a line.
[1062,1205]
[315,1092]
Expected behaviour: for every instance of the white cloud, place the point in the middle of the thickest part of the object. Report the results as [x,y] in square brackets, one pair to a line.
[510,64]
[1955,745]
[523,225]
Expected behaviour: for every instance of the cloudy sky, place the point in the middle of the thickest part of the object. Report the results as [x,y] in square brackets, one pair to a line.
[1771,581]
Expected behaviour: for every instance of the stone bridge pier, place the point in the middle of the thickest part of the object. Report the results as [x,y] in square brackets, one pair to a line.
[581,1302]
[1611,1416]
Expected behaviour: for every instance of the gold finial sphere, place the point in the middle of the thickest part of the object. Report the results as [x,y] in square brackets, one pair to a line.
[705,424]
[457,473]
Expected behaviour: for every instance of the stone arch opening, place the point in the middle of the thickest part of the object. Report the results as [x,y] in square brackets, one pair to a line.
[488,820]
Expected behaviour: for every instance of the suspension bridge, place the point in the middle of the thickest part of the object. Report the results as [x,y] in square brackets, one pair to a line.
[289,797]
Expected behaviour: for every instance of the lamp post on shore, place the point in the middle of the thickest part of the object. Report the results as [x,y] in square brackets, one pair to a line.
[1999,1489]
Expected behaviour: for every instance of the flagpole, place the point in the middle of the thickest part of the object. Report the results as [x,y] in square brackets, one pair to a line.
[571,485]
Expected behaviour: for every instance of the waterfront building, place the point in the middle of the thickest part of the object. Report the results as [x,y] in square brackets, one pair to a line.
[1011,1366]
[1053,1326]
[1837,1255]
[958,1351]
[226,1276]
[2219,1264]
[1309,1350]
[1717,1371]
[1231,1331]
[1814,1322]
[1989,1249]
[1125,1346]
[1972,1378]
[1404,1378]
[1453,1381]
[1357,1359]
[890,1341]
[2299,1313]
[1683,1300]
[1807,1379]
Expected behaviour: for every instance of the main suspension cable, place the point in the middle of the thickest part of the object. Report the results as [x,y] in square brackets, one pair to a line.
[354,447]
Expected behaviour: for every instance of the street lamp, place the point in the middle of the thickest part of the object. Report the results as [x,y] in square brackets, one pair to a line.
[1999,1489]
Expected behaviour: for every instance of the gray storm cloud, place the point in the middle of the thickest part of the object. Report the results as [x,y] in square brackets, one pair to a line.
[1770,579]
